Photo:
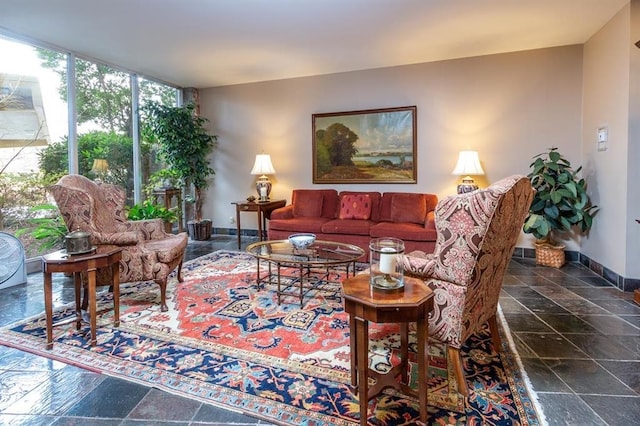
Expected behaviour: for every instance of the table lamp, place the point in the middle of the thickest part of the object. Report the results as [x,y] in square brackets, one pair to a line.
[100,168]
[468,164]
[263,167]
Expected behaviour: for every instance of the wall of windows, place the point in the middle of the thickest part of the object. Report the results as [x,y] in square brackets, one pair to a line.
[106,138]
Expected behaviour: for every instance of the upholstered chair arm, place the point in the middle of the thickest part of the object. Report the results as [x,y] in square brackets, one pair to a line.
[430,220]
[151,229]
[418,263]
[285,212]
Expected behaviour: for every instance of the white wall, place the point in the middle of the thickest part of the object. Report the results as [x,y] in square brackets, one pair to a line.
[633,171]
[509,107]
[606,103]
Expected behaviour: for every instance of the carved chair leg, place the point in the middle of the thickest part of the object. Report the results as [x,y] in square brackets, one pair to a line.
[180,277]
[495,336]
[163,294]
[456,358]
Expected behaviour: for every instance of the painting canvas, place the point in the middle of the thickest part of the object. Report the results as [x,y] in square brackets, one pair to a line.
[368,146]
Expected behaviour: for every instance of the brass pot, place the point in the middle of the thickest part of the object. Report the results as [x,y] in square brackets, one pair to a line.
[78,242]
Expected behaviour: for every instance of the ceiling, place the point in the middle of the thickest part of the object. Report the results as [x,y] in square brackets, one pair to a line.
[208,43]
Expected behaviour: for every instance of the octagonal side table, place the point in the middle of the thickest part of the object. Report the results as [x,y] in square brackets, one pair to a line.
[410,304]
[102,257]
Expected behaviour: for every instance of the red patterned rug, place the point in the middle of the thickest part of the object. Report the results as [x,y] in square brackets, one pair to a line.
[226,342]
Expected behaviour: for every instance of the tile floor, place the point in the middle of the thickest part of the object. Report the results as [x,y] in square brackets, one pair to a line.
[579,339]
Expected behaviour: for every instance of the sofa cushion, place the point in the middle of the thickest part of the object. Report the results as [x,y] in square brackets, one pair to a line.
[307,204]
[347,226]
[405,231]
[299,224]
[355,206]
[409,208]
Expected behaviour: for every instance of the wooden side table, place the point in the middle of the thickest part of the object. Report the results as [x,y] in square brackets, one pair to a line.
[411,304]
[104,256]
[167,195]
[262,208]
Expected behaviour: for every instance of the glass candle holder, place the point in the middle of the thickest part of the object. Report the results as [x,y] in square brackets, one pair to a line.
[386,272]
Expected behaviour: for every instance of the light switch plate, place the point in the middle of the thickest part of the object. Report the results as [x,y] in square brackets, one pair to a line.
[603,138]
[603,134]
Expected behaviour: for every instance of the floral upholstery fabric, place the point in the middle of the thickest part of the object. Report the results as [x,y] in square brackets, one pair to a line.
[148,252]
[476,235]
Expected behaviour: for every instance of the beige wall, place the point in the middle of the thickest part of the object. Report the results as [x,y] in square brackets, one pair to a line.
[633,171]
[509,107]
[606,103]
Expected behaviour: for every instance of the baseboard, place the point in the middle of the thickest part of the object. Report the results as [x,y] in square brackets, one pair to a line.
[623,283]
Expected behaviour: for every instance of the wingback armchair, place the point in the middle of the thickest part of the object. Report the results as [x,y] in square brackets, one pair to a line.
[476,235]
[148,252]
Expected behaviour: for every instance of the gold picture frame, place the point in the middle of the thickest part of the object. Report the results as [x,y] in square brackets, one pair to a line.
[366,146]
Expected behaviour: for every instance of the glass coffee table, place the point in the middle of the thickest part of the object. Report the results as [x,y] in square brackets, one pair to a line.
[310,266]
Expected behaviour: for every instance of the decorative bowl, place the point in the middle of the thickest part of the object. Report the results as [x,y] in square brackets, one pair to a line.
[301,241]
[78,242]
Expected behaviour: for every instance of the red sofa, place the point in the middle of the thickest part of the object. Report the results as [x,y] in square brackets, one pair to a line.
[356,217]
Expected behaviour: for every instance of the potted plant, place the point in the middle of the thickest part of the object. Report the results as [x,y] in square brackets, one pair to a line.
[149,210]
[162,179]
[559,204]
[184,145]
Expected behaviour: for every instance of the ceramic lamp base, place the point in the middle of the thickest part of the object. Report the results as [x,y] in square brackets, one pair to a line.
[467,185]
[263,187]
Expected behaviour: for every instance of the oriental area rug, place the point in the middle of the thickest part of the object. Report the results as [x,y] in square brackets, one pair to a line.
[226,342]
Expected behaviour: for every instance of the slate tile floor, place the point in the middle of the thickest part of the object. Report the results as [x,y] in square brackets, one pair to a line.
[578,338]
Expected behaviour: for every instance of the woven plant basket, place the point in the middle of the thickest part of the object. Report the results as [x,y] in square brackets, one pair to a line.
[550,255]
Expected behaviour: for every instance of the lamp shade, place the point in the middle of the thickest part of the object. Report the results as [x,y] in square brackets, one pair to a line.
[263,165]
[100,165]
[468,164]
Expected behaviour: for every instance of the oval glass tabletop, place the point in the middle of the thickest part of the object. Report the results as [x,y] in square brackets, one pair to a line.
[319,253]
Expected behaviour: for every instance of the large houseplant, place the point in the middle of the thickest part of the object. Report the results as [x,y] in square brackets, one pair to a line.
[149,210]
[184,144]
[560,203]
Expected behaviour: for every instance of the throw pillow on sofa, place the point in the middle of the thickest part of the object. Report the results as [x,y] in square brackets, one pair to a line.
[355,206]
[409,208]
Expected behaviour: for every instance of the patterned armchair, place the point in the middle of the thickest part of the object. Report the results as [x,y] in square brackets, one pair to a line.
[148,252]
[476,234]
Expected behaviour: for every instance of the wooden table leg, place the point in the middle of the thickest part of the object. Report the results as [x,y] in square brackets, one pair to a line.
[115,271]
[48,308]
[77,283]
[404,352]
[423,366]
[362,345]
[353,344]
[92,304]
[238,226]
[260,236]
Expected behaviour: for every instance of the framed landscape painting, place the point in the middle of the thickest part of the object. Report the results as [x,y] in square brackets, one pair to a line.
[368,146]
